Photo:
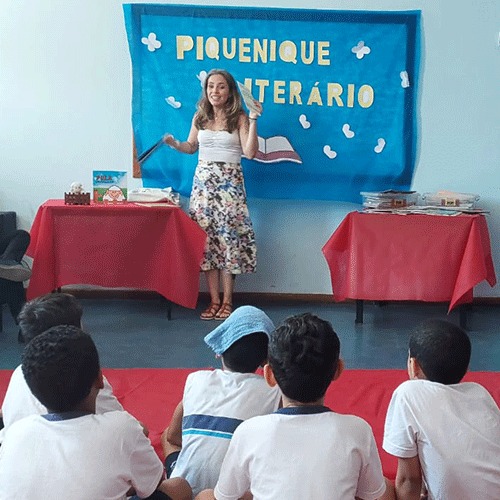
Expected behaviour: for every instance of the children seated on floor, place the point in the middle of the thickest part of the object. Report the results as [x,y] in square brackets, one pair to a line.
[303,450]
[71,452]
[445,433]
[215,402]
[36,317]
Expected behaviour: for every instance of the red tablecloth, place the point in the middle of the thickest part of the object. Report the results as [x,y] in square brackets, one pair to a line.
[124,245]
[409,257]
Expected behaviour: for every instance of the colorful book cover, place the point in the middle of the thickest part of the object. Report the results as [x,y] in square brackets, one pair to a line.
[109,186]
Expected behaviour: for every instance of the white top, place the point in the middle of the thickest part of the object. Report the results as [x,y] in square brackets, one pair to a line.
[219,145]
[322,456]
[215,403]
[454,430]
[19,402]
[89,457]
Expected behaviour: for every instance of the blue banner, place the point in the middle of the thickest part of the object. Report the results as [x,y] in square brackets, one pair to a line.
[338,88]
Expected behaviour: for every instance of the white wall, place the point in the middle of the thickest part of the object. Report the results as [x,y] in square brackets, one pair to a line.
[65,105]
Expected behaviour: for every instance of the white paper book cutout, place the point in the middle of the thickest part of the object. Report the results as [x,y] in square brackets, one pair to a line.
[248,98]
[276,148]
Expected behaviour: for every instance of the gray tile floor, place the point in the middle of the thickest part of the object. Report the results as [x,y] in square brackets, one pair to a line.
[137,334]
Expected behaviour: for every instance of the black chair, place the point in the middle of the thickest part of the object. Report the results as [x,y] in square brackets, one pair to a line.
[12,293]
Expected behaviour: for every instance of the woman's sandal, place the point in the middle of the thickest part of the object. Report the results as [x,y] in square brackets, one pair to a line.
[210,312]
[224,312]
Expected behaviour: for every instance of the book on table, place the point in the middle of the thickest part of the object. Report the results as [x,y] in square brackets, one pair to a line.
[109,186]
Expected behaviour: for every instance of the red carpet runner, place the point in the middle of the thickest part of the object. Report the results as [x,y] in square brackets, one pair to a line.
[152,394]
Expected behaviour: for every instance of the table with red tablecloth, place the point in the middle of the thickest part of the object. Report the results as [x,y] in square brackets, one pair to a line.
[393,257]
[127,245]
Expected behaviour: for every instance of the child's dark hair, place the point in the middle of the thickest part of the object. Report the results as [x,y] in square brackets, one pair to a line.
[442,350]
[247,353]
[304,353]
[60,366]
[42,313]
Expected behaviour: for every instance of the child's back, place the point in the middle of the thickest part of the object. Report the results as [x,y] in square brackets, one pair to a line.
[445,433]
[83,457]
[71,452]
[37,316]
[455,432]
[216,402]
[19,401]
[303,450]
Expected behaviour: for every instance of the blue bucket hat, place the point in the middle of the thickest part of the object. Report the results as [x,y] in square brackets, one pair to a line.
[243,321]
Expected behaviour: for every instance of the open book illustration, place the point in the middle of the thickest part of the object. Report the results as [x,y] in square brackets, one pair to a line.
[275,149]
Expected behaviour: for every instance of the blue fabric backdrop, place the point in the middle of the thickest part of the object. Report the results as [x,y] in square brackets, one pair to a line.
[340,86]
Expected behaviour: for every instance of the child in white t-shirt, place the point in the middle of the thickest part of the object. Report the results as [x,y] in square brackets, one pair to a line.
[303,450]
[215,402]
[36,317]
[445,433]
[71,452]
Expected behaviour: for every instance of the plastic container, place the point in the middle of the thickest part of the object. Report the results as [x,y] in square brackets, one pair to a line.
[389,199]
[450,199]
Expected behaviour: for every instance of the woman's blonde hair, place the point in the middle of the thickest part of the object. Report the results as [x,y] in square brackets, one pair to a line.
[232,109]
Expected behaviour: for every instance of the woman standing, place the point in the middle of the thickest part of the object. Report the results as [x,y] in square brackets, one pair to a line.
[221,131]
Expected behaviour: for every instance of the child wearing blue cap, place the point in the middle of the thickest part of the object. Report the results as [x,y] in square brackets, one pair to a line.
[216,401]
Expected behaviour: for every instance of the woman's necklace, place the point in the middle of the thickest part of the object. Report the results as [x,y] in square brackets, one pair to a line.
[219,122]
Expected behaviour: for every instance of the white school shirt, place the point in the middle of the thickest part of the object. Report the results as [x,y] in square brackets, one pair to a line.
[320,456]
[19,401]
[90,457]
[215,402]
[454,430]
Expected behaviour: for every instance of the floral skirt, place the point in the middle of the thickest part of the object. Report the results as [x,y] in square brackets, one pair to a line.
[218,205]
